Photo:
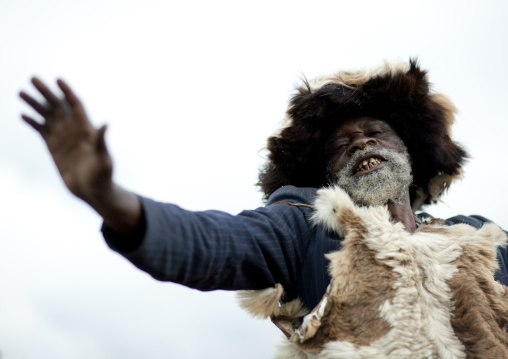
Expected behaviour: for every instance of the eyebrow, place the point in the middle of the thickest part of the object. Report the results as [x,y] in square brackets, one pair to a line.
[363,124]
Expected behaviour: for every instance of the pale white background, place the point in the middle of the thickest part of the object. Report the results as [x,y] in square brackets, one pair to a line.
[190,92]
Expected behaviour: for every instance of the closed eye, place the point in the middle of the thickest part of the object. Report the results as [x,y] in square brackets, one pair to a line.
[341,147]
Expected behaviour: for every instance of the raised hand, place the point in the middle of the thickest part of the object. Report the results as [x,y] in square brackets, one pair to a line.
[81,156]
[77,147]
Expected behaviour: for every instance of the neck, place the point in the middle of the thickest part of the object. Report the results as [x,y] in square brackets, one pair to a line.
[402,212]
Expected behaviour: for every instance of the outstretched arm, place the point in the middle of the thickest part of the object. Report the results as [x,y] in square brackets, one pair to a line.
[81,156]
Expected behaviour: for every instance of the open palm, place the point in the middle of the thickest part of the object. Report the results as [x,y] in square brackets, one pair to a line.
[77,147]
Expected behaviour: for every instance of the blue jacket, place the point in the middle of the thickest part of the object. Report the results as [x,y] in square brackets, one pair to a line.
[253,250]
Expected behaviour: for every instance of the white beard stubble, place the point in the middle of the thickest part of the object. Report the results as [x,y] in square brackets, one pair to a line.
[389,184]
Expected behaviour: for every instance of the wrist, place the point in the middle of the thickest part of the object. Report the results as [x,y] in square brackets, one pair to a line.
[100,195]
[120,209]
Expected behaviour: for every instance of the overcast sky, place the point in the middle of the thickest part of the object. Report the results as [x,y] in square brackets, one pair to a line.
[190,92]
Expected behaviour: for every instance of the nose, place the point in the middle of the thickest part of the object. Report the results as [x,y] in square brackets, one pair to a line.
[360,142]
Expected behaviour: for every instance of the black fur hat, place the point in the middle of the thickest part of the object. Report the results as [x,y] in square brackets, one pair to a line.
[397,92]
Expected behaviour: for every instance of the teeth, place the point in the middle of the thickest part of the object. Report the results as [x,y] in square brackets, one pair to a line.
[368,164]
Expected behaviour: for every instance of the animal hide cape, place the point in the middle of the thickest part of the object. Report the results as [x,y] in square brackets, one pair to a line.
[430,294]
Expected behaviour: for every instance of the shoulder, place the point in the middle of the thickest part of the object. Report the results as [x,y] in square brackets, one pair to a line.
[292,194]
[473,220]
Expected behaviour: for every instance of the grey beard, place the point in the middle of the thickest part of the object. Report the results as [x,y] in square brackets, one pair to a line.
[389,184]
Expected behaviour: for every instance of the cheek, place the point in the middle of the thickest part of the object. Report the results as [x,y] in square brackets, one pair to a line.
[393,143]
[396,142]
[336,164]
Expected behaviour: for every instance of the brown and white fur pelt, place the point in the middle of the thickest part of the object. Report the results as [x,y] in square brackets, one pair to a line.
[430,294]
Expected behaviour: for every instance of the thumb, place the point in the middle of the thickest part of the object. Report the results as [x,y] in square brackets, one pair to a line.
[100,143]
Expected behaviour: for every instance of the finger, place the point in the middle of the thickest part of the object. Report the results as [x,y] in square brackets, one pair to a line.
[46,92]
[35,125]
[34,103]
[101,141]
[69,94]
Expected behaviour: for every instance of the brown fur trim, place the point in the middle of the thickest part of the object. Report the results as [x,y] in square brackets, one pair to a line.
[261,303]
[266,303]
[349,310]
[480,316]
[289,317]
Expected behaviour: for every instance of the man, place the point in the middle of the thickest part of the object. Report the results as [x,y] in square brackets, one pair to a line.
[381,135]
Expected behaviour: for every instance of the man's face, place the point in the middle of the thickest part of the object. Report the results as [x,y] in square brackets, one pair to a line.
[370,162]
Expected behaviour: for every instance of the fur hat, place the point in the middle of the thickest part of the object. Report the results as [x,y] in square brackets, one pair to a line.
[396,92]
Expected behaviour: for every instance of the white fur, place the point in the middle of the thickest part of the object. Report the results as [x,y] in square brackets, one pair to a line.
[419,314]
[420,310]
[311,323]
[288,350]
[327,202]
[261,303]
[358,76]
[418,317]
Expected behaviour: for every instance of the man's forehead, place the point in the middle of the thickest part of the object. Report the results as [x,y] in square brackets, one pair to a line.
[356,123]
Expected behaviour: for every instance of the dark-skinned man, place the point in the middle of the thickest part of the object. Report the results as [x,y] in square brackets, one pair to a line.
[381,136]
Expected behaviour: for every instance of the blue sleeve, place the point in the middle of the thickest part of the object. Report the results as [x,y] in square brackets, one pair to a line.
[215,250]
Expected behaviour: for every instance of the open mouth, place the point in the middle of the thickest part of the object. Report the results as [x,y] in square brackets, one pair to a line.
[367,164]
